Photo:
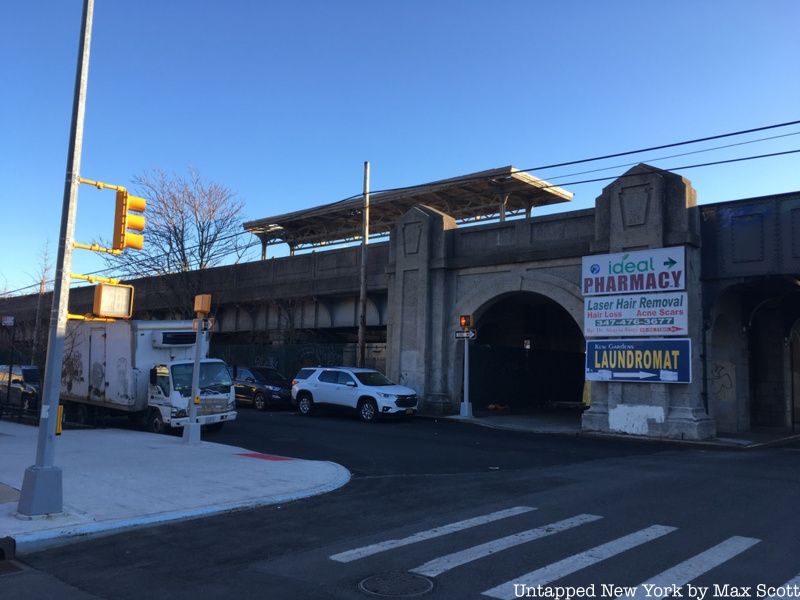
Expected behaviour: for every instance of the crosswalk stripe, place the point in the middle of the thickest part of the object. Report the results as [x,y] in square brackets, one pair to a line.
[683,573]
[445,563]
[576,562]
[351,555]
[794,581]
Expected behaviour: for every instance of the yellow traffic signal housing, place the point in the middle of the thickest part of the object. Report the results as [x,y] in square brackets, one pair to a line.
[124,219]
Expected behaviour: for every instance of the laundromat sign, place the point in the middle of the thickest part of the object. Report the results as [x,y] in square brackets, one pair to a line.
[658,270]
[645,361]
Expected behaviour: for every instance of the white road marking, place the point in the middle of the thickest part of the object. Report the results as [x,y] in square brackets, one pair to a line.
[684,572]
[439,565]
[351,555]
[794,581]
[576,562]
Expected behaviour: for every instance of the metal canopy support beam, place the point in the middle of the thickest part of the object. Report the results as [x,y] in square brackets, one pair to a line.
[502,199]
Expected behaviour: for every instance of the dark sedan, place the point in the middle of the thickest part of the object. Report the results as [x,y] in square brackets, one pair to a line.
[261,387]
[23,393]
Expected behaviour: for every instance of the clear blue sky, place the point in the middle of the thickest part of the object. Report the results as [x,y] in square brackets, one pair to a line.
[283,101]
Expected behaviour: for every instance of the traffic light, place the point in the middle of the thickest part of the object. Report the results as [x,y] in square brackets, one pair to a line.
[125,220]
[465,321]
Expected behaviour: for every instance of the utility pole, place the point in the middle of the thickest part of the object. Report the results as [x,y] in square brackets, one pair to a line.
[42,491]
[362,318]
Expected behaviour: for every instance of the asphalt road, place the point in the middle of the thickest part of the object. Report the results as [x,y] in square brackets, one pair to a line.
[515,507]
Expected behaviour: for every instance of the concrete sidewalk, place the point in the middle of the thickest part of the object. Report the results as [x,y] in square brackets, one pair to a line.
[568,422]
[117,479]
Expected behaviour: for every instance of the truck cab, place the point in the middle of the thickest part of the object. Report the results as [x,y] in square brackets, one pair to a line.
[170,392]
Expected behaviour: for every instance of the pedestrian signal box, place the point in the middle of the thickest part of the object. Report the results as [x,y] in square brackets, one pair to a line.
[465,321]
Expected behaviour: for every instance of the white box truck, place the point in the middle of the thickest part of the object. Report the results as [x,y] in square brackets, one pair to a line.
[142,369]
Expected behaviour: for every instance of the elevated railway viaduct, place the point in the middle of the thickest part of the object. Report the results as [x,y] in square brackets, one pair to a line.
[520,278]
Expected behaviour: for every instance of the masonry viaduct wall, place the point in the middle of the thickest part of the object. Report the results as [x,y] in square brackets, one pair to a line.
[437,271]
[742,286]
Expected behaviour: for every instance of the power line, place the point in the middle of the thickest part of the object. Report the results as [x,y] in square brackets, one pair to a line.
[542,167]
[704,150]
[586,160]
[683,168]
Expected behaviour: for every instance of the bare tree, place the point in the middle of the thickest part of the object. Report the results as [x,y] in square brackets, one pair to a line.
[191,224]
[44,275]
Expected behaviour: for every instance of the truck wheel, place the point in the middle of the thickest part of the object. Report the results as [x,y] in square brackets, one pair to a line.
[155,424]
[305,404]
[367,410]
[259,402]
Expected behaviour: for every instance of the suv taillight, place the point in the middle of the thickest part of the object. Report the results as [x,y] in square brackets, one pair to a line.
[295,381]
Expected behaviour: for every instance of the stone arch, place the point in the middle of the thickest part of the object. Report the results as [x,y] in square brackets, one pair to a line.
[794,373]
[480,300]
[559,290]
[750,369]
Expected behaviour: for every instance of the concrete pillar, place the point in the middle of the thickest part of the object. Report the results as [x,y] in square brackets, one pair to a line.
[650,208]
[417,304]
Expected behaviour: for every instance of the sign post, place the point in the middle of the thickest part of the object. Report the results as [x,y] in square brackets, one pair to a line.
[202,306]
[465,321]
[466,405]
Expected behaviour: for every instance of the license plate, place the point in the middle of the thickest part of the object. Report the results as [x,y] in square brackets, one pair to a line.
[409,411]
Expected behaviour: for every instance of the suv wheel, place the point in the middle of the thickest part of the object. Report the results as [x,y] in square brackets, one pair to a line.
[259,402]
[305,404]
[367,410]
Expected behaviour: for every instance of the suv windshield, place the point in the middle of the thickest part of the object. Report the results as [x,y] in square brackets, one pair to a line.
[214,377]
[264,374]
[373,378]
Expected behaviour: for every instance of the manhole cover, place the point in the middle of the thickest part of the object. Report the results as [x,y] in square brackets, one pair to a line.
[396,585]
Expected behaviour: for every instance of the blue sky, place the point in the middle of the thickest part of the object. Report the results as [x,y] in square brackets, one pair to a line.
[282,102]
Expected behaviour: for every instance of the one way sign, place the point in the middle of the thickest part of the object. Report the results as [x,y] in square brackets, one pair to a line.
[467,334]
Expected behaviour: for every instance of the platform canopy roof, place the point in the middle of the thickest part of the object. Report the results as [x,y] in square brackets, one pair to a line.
[468,198]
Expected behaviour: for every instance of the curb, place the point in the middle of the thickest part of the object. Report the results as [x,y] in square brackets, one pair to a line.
[27,543]
[713,444]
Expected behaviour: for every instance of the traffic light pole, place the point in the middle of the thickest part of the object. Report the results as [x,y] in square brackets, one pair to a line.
[466,406]
[42,491]
[362,296]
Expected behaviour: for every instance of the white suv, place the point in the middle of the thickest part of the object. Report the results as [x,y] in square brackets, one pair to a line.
[365,390]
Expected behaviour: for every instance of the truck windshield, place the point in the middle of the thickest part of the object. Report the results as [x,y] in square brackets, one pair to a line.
[214,378]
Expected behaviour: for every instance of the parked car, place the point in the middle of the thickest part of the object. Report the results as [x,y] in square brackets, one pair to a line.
[24,393]
[261,387]
[367,391]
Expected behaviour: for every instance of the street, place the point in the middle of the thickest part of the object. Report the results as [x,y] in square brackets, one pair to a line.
[465,512]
